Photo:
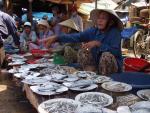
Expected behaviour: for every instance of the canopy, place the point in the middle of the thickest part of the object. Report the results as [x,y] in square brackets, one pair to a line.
[140,4]
[85,8]
[71,1]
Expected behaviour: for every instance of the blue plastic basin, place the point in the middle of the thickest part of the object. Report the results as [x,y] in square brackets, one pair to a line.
[136,79]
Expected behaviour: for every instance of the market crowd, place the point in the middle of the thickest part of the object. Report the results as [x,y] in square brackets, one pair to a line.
[97,48]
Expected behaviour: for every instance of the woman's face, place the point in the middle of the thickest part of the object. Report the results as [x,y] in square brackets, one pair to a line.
[42,28]
[27,29]
[102,20]
[64,29]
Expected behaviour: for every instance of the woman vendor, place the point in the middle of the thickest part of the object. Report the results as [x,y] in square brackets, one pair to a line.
[101,48]
[44,31]
[70,49]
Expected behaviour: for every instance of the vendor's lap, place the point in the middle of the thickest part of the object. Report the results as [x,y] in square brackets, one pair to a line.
[107,62]
[70,54]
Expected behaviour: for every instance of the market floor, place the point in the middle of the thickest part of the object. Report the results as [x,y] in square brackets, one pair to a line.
[12,99]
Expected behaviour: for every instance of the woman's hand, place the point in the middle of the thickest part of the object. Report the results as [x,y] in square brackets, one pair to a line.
[50,40]
[50,50]
[91,44]
[39,41]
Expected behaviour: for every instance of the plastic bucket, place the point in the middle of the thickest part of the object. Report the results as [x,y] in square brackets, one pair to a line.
[58,59]
[38,52]
[135,64]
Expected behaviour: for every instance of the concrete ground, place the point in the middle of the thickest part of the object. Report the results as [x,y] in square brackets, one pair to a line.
[12,99]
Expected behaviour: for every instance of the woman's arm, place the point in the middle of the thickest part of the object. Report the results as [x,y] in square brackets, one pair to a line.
[34,37]
[85,36]
[113,43]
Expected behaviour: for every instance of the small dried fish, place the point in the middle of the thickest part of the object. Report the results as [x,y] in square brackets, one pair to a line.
[145,97]
[60,107]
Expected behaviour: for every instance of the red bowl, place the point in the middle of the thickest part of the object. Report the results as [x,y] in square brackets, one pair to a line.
[38,52]
[135,64]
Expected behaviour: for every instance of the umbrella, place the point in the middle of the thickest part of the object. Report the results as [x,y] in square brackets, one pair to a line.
[71,1]
[85,8]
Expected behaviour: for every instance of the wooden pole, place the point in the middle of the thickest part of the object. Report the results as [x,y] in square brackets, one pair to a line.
[96,4]
[30,11]
[9,7]
[149,12]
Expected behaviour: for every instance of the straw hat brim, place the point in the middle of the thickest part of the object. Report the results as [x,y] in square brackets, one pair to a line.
[44,23]
[69,23]
[94,16]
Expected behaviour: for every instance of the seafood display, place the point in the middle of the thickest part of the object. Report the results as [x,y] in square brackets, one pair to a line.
[54,70]
[54,81]
[79,83]
[58,105]
[140,107]
[26,74]
[35,80]
[91,109]
[144,94]
[102,79]
[116,86]
[50,88]
[85,74]
[96,99]
[42,60]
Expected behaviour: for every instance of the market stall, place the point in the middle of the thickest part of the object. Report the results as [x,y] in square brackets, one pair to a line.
[45,83]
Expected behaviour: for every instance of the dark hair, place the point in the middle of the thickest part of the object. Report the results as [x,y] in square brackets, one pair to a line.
[25,26]
[44,17]
[56,8]
[73,31]
[113,21]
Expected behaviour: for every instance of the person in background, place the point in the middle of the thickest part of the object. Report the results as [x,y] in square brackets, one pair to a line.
[9,45]
[101,48]
[142,12]
[18,25]
[45,17]
[55,20]
[70,49]
[10,24]
[44,31]
[27,38]
[146,11]
[76,17]
[7,27]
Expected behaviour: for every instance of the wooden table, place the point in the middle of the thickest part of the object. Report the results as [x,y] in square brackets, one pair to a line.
[127,98]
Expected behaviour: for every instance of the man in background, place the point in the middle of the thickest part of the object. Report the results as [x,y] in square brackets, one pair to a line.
[7,27]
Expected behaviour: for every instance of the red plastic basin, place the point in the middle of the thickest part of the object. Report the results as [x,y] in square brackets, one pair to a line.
[38,52]
[135,64]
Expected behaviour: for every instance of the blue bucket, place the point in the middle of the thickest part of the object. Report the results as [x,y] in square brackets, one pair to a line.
[138,80]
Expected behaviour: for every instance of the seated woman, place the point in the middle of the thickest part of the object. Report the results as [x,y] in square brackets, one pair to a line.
[70,49]
[101,50]
[43,33]
[27,37]
[10,46]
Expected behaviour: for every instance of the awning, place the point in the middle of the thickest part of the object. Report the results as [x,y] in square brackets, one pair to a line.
[85,8]
[140,4]
[71,1]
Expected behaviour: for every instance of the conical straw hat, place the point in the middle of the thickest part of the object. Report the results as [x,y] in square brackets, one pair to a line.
[94,16]
[44,23]
[69,23]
